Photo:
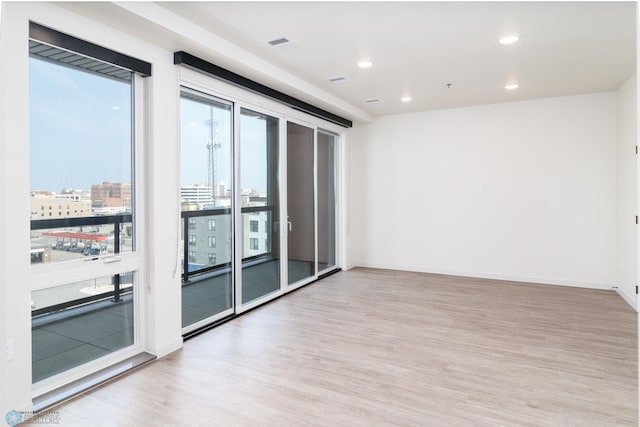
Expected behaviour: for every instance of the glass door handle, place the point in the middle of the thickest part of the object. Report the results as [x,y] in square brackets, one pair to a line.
[290,226]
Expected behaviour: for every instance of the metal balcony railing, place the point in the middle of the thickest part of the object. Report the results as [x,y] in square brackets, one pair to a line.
[69,223]
[188,228]
[117,221]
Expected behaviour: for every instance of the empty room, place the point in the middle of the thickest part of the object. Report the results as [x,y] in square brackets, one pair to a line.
[319,213]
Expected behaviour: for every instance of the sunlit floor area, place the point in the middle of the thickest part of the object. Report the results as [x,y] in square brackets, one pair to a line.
[377,347]
[65,340]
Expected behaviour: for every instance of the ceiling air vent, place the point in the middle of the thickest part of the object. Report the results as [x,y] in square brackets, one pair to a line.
[371,100]
[279,41]
[337,79]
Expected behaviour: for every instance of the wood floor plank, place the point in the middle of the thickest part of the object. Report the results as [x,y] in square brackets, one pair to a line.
[379,347]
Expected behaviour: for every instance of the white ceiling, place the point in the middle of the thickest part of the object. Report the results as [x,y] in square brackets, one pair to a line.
[566,48]
[417,48]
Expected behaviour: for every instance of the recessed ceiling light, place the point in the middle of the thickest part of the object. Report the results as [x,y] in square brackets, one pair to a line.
[406,99]
[509,38]
[511,86]
[365,64]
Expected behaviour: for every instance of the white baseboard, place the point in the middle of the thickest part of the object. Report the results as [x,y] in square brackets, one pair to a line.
[632,300]
[495,276]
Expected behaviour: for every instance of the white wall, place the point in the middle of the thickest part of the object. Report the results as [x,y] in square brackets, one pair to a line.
[14,237]
[626,191]
[3,223]
[164,291]
[522,191]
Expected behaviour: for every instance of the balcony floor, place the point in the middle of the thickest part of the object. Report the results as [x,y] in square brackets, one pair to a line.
[63,341]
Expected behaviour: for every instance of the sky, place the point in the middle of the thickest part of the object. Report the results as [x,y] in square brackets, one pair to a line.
[79,128]
[195,132]
[80,133]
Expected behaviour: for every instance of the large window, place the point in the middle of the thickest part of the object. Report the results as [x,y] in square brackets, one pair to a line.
[80,158]
[83,208]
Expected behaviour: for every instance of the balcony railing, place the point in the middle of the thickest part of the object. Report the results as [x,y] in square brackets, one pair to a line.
[188,268]
[73,230]
[95,315]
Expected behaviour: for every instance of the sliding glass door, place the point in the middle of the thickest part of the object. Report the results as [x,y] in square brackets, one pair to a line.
[258,202]
[259,205]
[326,178]
[206,208]
[301,241]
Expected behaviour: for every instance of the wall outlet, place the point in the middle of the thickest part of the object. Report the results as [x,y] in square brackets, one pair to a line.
[10,349]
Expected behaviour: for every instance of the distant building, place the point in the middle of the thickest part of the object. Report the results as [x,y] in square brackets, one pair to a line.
[111,197]
[209,237]
[220,188]
[198,194]
[201,196]
[69,204]
[209,241]
[255,234]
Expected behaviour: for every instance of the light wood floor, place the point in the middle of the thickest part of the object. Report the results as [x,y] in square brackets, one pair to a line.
[377,347]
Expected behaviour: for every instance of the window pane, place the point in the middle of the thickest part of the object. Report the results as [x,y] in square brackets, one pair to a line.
[78,322]
[81,185]
[300,203]
[205,180]
[260,203]
[326,201]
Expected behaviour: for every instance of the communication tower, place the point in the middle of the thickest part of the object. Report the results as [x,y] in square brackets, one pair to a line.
[212,145]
